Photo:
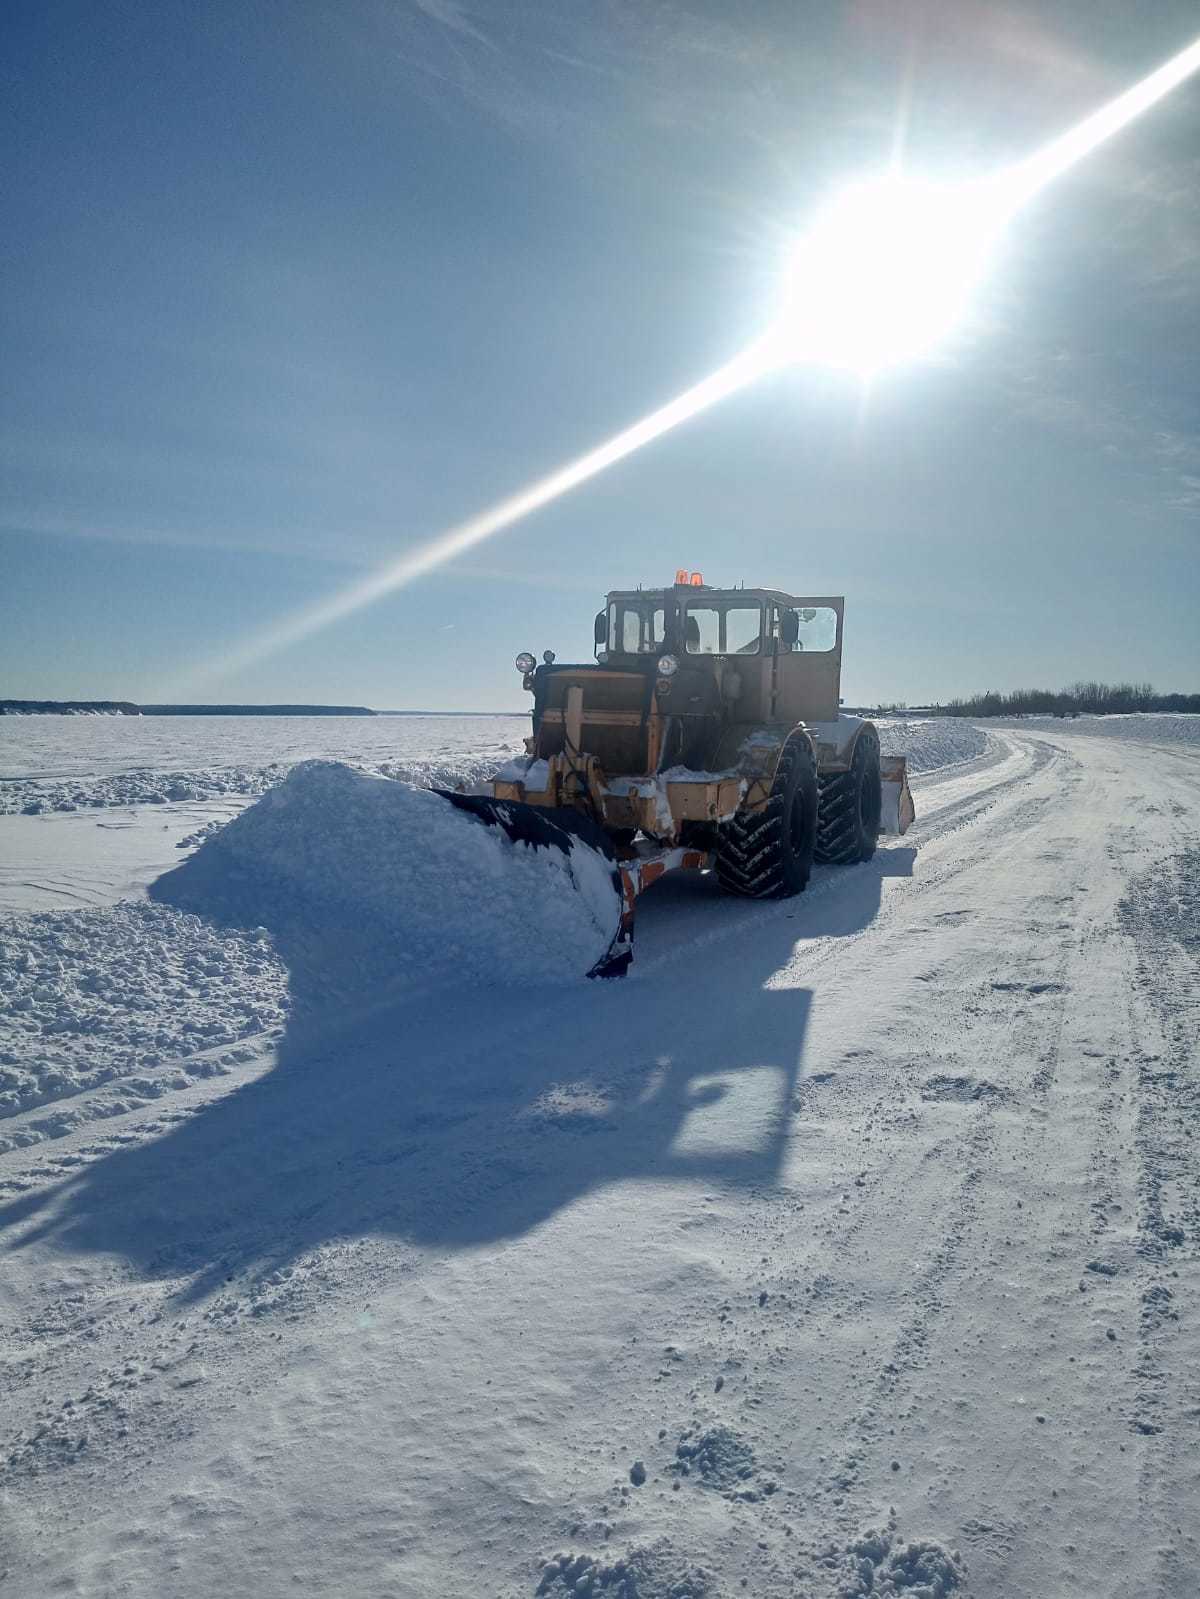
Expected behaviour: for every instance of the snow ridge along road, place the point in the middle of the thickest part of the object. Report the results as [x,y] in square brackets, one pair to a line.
[850,1247]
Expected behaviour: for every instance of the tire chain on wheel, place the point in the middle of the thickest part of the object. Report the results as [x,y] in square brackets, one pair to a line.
[839,839]
[750,857]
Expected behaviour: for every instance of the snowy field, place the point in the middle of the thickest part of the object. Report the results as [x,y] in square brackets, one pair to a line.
[1146,727]
[850,1247]
[68,762]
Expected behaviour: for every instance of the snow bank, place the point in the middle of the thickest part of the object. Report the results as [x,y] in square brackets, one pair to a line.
[1150,727]
[433,894]
[931,743]
[90,996]
[38,796]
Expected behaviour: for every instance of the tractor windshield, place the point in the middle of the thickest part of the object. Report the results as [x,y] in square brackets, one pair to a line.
[713,627]
[636,626]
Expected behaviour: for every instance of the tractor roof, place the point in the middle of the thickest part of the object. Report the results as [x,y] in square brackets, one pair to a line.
[709,591]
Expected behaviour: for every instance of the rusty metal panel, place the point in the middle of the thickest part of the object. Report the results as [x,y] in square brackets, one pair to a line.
[704,802]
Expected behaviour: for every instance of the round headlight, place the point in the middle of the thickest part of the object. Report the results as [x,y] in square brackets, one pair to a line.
[525,662]
[667,666]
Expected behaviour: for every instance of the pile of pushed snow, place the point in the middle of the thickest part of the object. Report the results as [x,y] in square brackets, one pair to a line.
[470,773]
[135,993]
[337,858]
[931,742]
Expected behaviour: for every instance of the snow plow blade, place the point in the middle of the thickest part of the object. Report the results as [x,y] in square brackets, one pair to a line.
[898,812]
[566,830]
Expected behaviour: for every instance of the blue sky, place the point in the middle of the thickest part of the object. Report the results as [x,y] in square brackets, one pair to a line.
[288,288]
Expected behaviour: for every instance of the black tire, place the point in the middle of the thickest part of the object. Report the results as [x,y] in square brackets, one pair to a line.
[768,854]
[850,808]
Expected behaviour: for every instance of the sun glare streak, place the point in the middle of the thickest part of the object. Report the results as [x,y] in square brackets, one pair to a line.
[1029,177]
[884,274]
[749,364]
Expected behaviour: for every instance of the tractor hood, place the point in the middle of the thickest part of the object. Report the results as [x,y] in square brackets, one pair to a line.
[603,710]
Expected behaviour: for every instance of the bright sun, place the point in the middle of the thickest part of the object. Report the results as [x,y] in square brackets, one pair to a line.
[887,270]
[884,274]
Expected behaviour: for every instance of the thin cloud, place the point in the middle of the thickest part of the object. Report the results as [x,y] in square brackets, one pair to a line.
[448,14]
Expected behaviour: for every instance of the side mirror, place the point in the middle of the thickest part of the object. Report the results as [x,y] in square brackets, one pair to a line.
[600,629]
[789,626]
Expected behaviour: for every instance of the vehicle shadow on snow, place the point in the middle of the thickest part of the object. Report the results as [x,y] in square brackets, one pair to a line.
[458,1117]
[687,908]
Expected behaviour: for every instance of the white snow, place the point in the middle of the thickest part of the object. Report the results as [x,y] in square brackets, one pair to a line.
[524,769]
[424,892]
[55,763]
[97,857]
[932,742]
[1151,727]
[850,1247]
[137,994]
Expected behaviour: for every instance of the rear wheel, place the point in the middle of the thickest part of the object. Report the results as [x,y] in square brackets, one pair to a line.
[768,854]
[850,806]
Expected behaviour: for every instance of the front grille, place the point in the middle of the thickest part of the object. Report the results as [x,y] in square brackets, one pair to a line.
[615,706]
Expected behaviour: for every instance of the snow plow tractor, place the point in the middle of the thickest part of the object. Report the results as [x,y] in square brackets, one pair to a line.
[706,736]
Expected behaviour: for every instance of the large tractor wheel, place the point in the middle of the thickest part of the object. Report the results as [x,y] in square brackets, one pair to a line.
[850,806]
[768,854]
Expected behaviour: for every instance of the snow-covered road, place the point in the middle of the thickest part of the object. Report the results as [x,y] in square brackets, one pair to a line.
[852,1246]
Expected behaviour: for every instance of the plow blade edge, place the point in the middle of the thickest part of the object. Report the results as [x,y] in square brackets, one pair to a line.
[898,812]
[567,831]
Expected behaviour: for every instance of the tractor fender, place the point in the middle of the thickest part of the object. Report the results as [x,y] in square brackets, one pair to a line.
[837,740]
[754,750]
[836,743]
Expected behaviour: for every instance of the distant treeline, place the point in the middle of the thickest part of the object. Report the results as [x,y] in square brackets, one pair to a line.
[1081,699]
[68,708]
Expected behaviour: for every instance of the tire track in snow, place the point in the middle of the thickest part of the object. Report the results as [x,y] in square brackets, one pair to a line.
[1160,913]
[832,1499]
[1043,992]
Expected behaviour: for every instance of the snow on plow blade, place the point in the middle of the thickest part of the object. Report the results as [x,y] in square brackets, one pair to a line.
[899,812]
[591,864]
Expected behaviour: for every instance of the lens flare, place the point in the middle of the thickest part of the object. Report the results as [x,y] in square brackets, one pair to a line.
[890,265]
[886,272]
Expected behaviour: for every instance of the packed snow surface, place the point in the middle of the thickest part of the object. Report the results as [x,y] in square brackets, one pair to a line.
[850,1248]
